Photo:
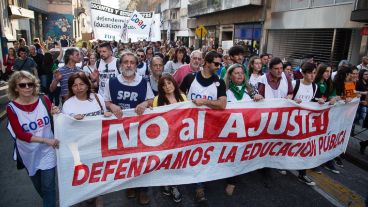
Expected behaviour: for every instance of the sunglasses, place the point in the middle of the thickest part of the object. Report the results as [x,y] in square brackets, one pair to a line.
[28,85]
[141,56]
[217,64]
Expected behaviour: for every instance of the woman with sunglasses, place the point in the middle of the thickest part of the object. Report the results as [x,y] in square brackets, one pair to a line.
[30,124]
[169,93]
[238,89]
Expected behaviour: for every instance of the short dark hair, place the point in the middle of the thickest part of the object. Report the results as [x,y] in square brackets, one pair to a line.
[275,61]
[140,50]
[286,64]
[263,54]
[308,67]
[106,45]
[236,50]
[210,56]
[68,53]
[22,49]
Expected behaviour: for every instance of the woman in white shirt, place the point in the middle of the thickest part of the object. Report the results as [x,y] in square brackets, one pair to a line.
[91,65]
[255,71]
[238,88]
[83,102]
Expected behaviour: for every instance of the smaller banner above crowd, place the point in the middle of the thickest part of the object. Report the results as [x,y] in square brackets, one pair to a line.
[101,155]
[115,24]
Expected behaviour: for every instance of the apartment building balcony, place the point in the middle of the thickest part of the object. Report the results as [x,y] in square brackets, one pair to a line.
[360,12]
[16,12]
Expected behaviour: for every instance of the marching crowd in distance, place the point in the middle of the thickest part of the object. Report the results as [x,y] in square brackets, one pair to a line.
[102,78]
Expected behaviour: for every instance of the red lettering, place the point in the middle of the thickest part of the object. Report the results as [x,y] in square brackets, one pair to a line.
[108,170]
[77,170]
[120,170]
[95,172]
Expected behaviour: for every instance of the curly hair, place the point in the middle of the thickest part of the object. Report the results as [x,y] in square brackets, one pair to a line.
[15,78]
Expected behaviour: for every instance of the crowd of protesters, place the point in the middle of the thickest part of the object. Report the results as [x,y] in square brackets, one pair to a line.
[44,79]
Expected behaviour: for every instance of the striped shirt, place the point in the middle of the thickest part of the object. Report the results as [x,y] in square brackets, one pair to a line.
[66,72]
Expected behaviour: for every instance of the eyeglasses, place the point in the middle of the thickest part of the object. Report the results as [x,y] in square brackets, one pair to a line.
[28,85]
[106,68]
[141,56]
[217,64]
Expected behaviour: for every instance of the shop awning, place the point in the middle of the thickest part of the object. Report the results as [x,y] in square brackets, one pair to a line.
[20,13]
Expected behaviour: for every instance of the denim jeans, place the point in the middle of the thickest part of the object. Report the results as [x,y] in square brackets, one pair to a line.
[44,182]
[45,81]
[361,113]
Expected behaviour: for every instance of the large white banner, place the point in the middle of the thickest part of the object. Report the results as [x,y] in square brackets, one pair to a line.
[185,144]
[115,24]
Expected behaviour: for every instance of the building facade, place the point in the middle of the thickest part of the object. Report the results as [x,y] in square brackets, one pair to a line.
[228,22]
[318,27]
[174,15]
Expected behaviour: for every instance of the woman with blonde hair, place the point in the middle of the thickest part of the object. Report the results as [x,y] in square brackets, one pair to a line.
[30,124]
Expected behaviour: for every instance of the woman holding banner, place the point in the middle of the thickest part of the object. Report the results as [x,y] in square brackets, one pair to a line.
[169,93]
[83,102]
[238,89]
[30,124]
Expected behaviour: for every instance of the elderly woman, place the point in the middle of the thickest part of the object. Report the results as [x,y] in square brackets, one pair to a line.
[30,124]
[238,90]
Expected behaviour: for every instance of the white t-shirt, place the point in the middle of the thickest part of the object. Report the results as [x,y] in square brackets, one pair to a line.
[253,81]
[74,106]
[231,97]
[87,69]
[112,71]
[135,82]
[305,92]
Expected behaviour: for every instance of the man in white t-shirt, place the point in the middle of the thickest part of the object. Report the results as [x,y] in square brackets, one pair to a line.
[106,67]
[306,91]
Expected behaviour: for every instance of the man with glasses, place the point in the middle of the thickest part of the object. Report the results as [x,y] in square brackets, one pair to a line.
[193,66]
[157,68]
[107,67]
[204,88]
[142,67]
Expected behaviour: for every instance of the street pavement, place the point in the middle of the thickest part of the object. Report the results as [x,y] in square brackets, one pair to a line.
[345,189]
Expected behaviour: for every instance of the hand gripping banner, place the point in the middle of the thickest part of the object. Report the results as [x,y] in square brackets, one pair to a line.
[182,143]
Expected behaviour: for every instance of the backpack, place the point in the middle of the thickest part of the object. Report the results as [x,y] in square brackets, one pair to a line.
[297,85]
[117,64]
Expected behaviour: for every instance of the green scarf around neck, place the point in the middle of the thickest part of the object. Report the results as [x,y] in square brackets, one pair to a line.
[238,93]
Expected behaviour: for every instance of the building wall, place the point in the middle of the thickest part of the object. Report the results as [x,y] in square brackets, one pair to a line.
[233,16]
[337,16]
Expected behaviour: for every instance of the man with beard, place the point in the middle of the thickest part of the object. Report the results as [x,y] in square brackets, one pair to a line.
[107,67]
[142,67]
[156,67]
[126,91]
[193,66]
